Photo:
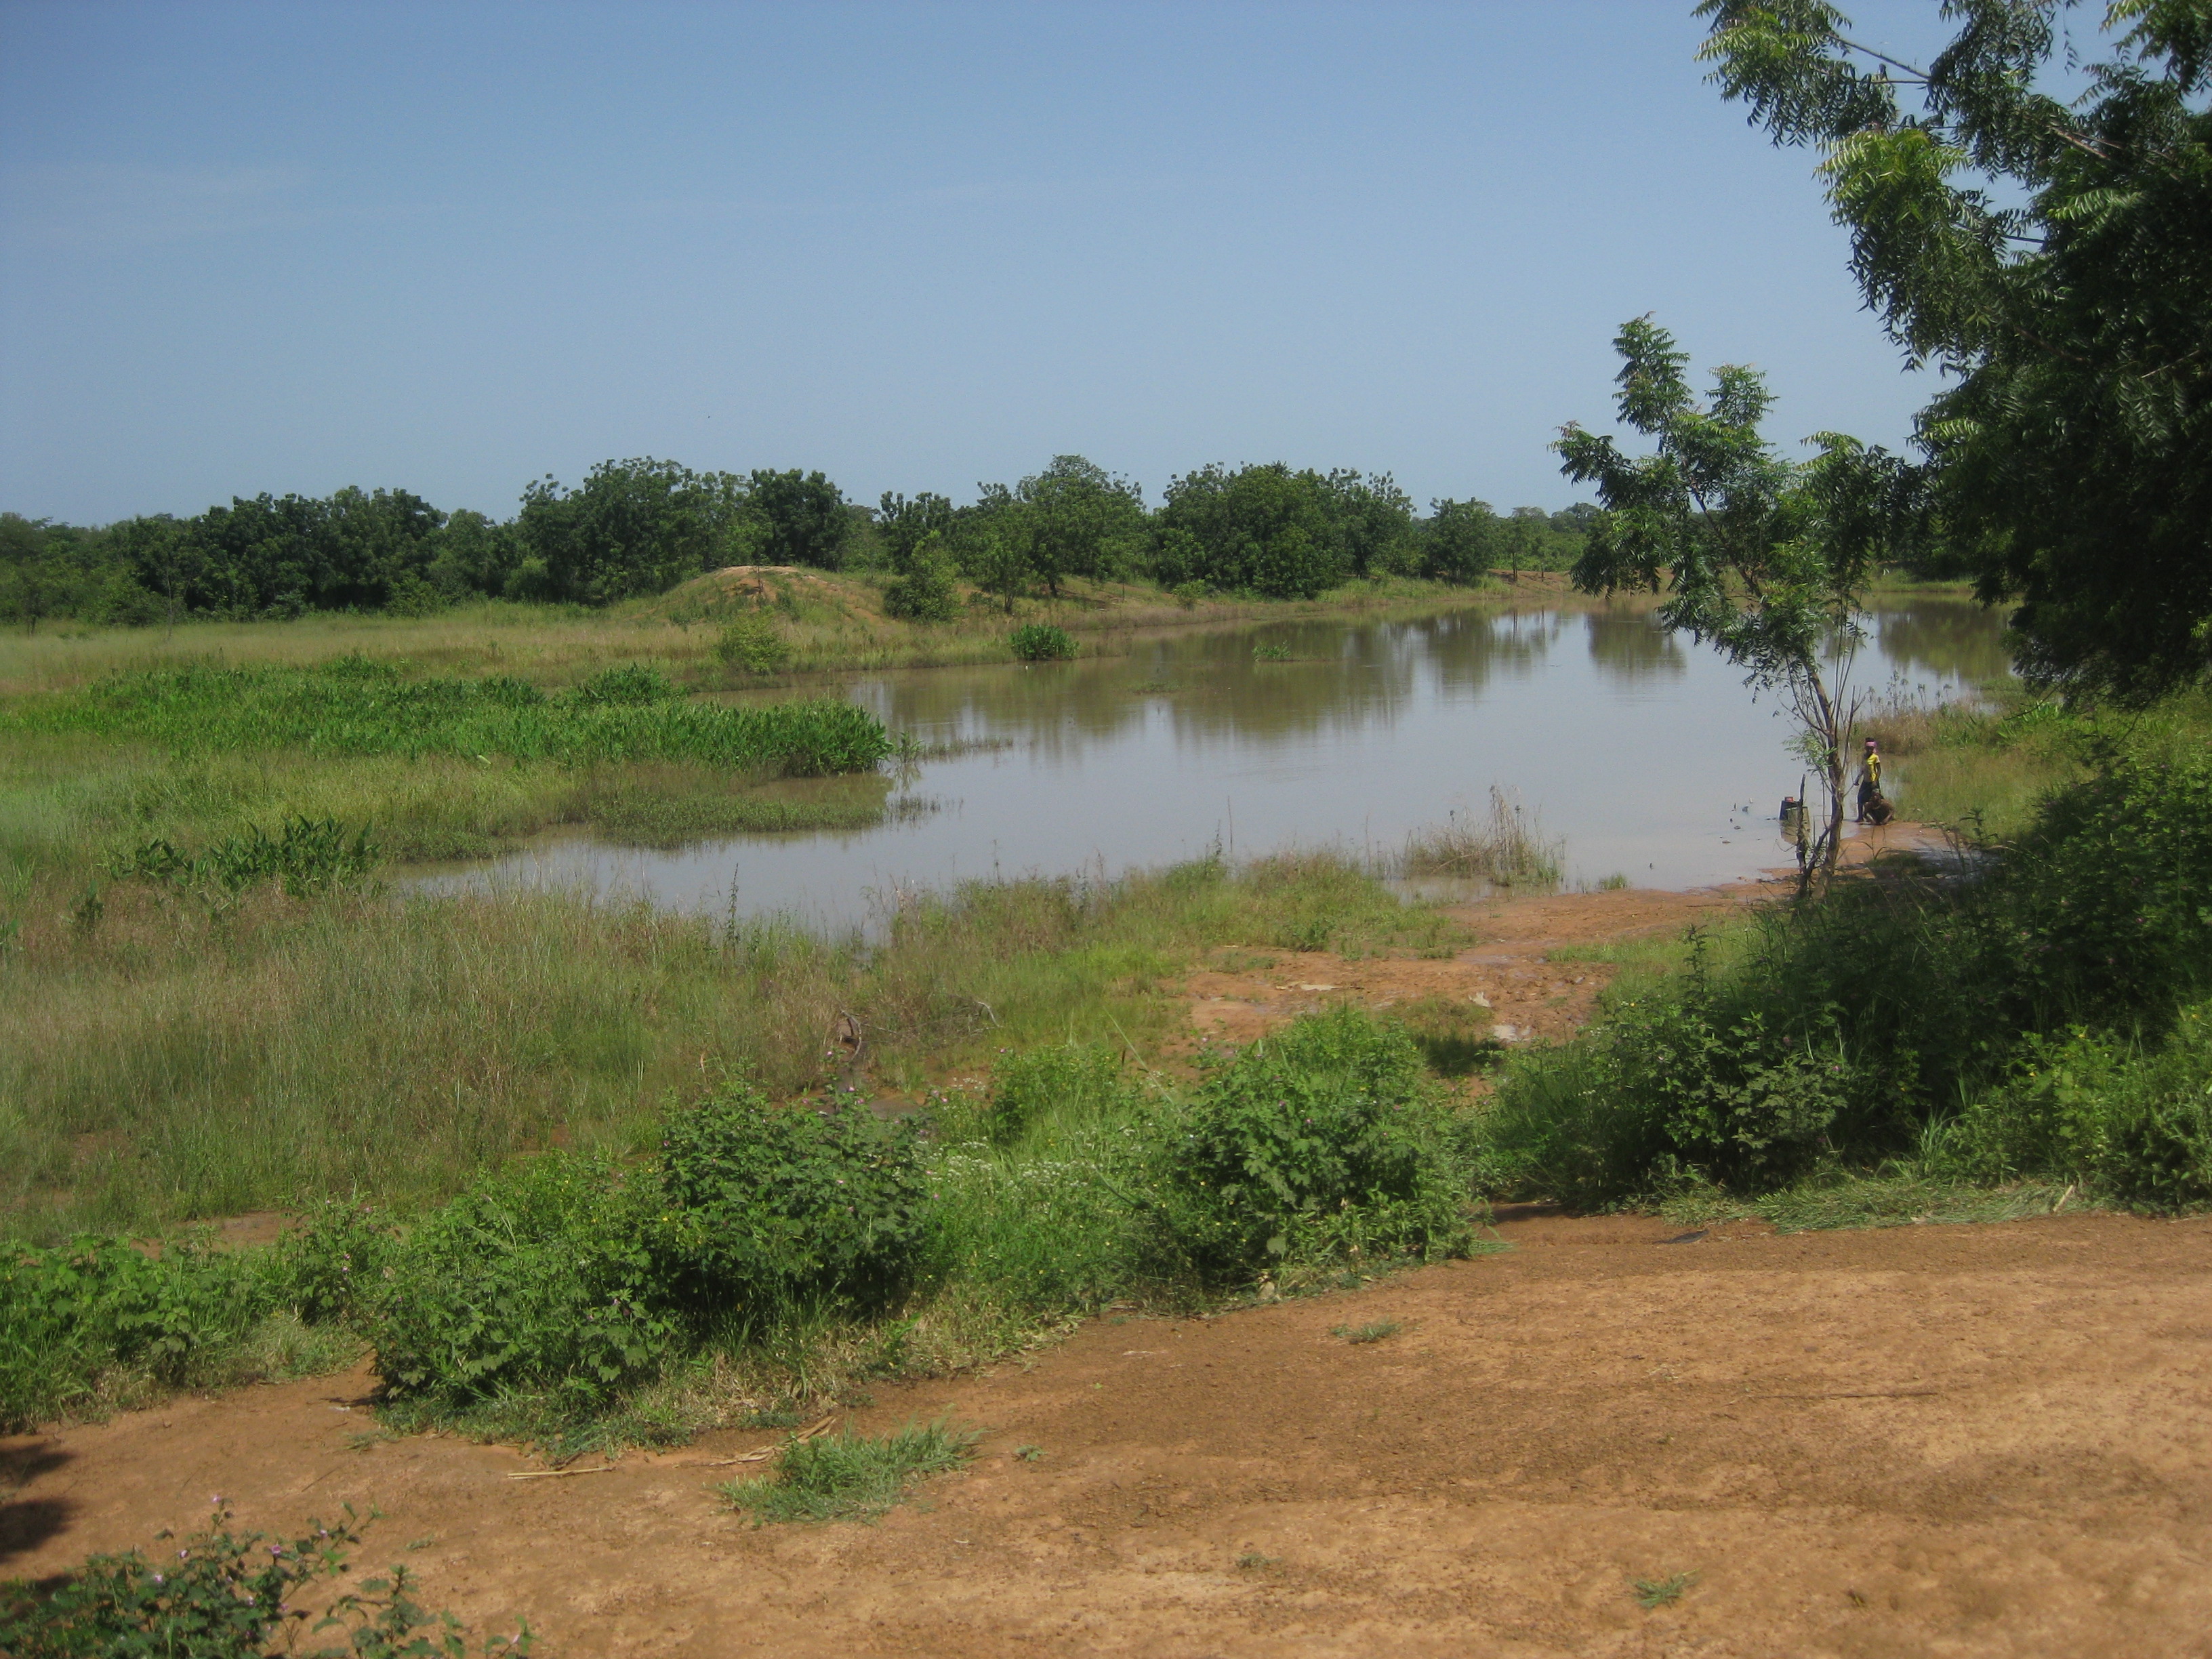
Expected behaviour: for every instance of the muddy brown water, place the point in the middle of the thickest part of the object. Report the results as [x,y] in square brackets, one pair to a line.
[1643,751]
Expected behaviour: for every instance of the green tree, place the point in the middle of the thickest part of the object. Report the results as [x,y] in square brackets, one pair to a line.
[1373,523]
[801,518]
[1075,519]
[1763,559]
[1265,530]
[902,525]
[1459,541]
[2054,256]
[635,526]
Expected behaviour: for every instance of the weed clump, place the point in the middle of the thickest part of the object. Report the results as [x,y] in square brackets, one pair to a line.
[227,1593]
[1508,847]
[754,644]
[848,1477]
[1042,642]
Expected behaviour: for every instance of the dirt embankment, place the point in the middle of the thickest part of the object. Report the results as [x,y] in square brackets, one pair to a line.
[1966,1441]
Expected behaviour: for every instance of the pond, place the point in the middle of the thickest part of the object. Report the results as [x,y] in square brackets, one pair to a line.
[1644,752]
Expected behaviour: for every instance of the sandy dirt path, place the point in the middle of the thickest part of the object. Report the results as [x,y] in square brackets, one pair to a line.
[1938,1440]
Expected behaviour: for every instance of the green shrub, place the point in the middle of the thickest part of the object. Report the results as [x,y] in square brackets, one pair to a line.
[632,682]
[229,1595]
[541,1280]
[1042,642]
[1321,1142]
[767,1206]
[327,1269]
[2105,1113]
[924,591]
[2047,991]
[754,644]
[71,1319]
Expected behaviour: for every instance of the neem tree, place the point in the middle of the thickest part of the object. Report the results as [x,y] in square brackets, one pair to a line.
[2054,255]
[1763,558]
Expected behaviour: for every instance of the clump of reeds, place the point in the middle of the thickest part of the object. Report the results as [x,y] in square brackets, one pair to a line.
[1507,847]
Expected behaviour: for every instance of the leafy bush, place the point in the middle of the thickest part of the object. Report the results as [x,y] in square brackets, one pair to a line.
[1321,1142]
[541,1279]
[754,644]
[72,1318]
[924,591]
[767,1205]
[228,1596]
[632,682]
[2090,1109]
[328,1268]
[1042,642]
[2053,992]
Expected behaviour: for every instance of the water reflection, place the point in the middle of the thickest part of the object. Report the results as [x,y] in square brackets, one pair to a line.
[1646,752]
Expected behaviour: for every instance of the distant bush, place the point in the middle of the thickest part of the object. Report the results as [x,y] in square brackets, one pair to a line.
[767,1206]
[1321,1142]
[230,1596]
[754,644]
[307,855]
[925,590]
[353,707]
[1042,642]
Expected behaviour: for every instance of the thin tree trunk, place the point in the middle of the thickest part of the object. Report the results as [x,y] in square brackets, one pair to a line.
[1832,742]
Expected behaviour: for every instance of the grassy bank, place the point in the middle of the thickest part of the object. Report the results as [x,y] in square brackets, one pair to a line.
[164,1061]
[823,624]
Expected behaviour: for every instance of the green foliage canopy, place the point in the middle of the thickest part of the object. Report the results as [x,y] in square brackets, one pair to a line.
[2055,258]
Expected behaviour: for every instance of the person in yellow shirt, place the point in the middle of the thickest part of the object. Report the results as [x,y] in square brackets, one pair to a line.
[1869,779]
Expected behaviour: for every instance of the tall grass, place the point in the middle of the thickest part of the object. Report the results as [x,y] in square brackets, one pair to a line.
[169,1062]
[1506,847]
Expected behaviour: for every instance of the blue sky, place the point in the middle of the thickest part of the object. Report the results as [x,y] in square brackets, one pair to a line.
[454,248]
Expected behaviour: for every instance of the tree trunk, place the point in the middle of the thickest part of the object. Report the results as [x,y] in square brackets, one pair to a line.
[1831,745]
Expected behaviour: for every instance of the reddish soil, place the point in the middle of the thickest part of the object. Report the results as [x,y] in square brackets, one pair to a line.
[1953,1440]
[1529,997]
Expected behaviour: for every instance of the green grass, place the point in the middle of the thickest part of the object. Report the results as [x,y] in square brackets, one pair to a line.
[356,707]
[171,1063]
[847,1477]
[1655,1593]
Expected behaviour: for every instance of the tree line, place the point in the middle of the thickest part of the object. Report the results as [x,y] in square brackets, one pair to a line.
[640,526]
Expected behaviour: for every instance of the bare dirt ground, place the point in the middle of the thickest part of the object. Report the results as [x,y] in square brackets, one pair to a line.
[1530,998]
[1955,1440]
